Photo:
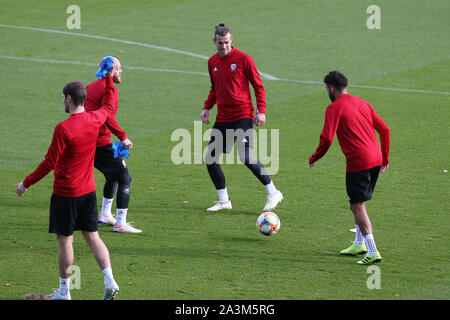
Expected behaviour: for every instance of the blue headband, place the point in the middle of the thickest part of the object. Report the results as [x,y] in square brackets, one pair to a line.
[105,67]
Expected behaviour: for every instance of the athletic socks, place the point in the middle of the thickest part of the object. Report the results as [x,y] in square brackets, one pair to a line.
[109,279]
[64,286]
[359,239]
[121,217]
[270,188]
[106,207]
[370,244]
[223,195]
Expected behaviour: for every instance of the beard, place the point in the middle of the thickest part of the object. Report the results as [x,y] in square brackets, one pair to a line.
[117,79]
[332,98]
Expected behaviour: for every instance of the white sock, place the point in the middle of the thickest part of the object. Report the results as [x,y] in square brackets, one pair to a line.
[109,279]
[370,243]
[223,195]
[64,285]
[121,217]
[270,188]
[106,207]
[359,239]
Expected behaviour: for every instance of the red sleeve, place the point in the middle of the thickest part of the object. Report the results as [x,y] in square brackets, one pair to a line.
[255,79]
[211,100]
[383,131]
[107,103]
[55,150]
[326,137]
[111,123]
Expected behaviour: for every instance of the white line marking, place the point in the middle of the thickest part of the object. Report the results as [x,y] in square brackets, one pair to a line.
[47,60]
[206,74]
[267,76]
[264,75]
[96,65]
[141,44]
[372,87]
[105,38]
[400,89]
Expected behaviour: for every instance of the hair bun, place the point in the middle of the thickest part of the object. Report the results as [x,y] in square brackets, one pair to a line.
[220,25]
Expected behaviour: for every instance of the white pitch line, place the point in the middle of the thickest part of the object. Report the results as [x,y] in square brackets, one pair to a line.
[166,70]
[264,75]
[136,43]
[206,74]
[76,34]
[372,87]
[47,60]
[400,89]
[96,65]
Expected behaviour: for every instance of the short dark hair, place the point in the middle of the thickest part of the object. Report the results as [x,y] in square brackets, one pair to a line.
[77,91]
[222,30]
[336,79]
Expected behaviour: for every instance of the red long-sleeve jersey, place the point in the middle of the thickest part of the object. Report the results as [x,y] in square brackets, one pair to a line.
[230,77]
[95,92]
[354,121]
[72,150]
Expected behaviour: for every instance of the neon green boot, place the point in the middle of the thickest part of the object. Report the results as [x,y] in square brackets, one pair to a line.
[370,258]
[354,250]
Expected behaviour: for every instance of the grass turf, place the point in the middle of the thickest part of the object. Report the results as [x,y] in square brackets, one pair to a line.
[185,252]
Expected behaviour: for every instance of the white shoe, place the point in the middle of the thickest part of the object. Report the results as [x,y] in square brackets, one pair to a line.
[111,292]
[126,228]
[109,219]
[273,200]
[220,205]
[56,295]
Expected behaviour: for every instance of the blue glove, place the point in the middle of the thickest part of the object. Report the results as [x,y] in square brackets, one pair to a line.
[105,67]
[120,150]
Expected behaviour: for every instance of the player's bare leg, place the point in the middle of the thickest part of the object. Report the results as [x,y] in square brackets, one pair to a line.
[361,217]
[65,254]
[101,255]
[65,262]
[98,248]
[363,222]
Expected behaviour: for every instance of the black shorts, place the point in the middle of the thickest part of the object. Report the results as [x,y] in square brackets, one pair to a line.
[360,184]
[68,214]
[240,131]
[105,162]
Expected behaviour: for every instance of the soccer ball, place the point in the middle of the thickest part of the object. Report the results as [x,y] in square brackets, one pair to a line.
[268,223]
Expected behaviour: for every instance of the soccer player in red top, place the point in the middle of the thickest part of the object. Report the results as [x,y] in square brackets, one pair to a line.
[73,204]
[355,121]
[231,71]
[115,170]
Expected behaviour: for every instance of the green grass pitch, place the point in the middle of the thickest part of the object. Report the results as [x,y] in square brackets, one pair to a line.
[185,252]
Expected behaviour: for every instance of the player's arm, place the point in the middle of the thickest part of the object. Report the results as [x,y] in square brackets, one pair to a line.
[112,124]
[211,100]
[52,157]
[327,135]
[383,130]
[254,77]
[107,106]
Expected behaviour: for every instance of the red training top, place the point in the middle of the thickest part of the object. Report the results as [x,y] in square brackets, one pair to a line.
[72,150]
[230,89]
[354,120]
[95,91]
